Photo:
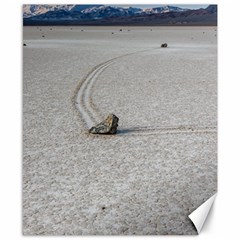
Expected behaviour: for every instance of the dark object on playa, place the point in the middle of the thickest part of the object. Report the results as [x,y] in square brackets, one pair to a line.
[24,44]
[164,45]
[43,36]
[120,30]
[108,126]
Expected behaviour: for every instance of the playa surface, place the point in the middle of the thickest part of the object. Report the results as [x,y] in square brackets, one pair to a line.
[160,166]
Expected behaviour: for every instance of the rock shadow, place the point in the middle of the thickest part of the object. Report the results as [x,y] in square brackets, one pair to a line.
[135,130]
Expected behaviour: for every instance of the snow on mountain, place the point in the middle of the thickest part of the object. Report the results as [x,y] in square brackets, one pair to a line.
[114,15]
[212,9]
[110,11]
[35,10]
[94,11]
[164,9]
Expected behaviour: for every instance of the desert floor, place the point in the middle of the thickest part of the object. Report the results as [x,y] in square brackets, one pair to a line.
[160,166]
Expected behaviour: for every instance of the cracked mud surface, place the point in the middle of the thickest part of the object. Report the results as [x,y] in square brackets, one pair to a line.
[163,162]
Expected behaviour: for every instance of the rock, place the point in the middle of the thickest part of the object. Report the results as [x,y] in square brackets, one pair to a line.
[24,44]
[108,126]
[164,45]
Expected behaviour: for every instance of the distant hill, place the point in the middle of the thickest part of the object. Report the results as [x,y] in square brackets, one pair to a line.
[112,15]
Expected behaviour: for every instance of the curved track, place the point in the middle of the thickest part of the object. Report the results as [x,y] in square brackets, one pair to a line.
[83,104]
[91,115]
[83,101]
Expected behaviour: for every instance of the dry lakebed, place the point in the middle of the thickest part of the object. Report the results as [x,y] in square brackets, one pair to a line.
[162,163]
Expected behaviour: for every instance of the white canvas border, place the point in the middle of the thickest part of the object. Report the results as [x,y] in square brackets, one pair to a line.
[223,220]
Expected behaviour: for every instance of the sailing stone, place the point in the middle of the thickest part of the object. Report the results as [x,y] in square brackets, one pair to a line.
[108,126]
[164,45]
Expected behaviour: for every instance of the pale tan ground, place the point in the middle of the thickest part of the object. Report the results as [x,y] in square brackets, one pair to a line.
[163,162]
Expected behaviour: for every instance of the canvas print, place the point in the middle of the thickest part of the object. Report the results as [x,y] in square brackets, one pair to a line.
[119,118]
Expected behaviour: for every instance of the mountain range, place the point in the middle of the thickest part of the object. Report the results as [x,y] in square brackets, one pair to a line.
[115,15]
